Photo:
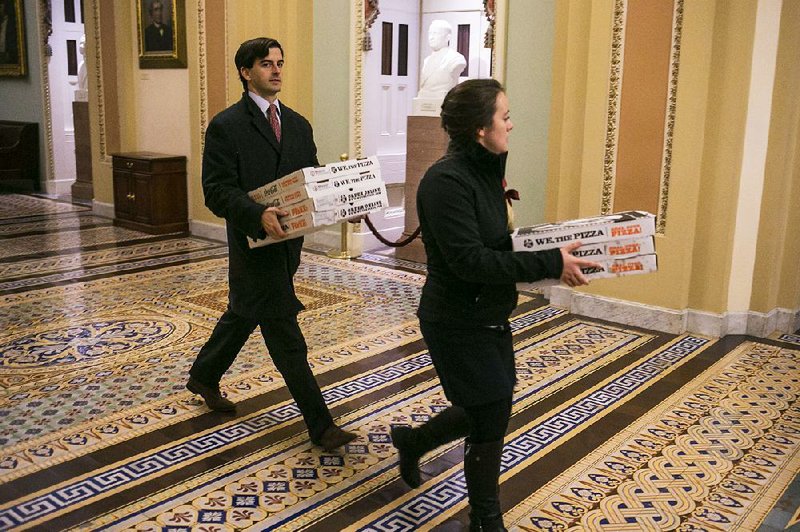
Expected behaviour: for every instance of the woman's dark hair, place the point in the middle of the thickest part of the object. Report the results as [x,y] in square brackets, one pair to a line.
[469,106]
[251,50]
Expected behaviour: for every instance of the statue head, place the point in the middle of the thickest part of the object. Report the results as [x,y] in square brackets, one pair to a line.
[439,34]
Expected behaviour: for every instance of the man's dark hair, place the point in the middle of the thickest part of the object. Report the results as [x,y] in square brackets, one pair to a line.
[250,51]
[469,106]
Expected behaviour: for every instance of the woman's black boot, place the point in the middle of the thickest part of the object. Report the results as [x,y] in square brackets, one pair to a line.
[482,472]
[412,443]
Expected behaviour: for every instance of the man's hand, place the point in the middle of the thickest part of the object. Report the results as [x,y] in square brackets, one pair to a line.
[270,223]
[571,274]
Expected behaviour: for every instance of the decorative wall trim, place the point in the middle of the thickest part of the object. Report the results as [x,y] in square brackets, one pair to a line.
[669,126]
[98,82]
[45,29]
[202,68]
[614,97]
[674,321]
[357,78]
[614,100]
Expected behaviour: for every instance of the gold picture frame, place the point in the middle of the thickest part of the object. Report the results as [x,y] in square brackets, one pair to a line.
[13,52]
[162,33]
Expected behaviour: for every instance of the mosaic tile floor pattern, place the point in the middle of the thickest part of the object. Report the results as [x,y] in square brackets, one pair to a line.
[612,428]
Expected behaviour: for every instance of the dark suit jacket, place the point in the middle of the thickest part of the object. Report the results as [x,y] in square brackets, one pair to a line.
[242,153]
[154,41]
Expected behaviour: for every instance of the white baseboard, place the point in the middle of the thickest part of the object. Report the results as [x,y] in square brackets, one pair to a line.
[675,321]
[58,187]
[106,210]
[208,230]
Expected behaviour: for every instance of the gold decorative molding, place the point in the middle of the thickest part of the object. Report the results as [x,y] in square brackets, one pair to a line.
[44,30]
[669,127]
[614,95]
[357,78]
[98,82]
[202,67]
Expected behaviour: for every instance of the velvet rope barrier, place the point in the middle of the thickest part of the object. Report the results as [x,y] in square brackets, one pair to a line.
[398,244]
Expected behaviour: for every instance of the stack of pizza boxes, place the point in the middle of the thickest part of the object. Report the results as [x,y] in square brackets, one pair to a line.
[320,196]
[622,243]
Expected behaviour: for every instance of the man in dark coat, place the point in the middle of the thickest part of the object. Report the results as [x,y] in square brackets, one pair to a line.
[253,142]
[157,35]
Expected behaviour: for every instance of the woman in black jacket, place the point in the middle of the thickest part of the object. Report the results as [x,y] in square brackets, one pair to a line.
[470,293]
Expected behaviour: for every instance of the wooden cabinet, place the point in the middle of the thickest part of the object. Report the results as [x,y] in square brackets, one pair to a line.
[150,192]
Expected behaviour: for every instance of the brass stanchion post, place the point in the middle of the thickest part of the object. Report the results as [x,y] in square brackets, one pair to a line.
[344,252]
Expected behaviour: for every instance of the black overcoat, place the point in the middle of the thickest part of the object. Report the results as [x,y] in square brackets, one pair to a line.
[241,154]
[470,288]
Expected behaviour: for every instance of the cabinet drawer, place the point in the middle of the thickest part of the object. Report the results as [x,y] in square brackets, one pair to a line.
[148,162]
[132,165]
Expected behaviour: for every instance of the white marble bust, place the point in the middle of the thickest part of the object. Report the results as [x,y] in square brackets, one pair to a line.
[82,93]
[441,69]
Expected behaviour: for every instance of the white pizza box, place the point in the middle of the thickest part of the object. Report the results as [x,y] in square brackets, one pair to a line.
[346,205]
[314,174]
[285,191]
[610,268]
[616,249]
[324,194]
[303,219]
[617,226]
[354,166]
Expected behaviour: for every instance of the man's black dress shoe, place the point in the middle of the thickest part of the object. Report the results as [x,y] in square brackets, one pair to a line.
[211,396]
[334,437]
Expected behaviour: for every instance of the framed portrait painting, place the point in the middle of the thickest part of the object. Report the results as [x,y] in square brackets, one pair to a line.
[162,33]
[12,39]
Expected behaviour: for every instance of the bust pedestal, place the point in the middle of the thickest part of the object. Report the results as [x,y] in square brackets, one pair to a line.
[426,106]
[426,144]
[82,188]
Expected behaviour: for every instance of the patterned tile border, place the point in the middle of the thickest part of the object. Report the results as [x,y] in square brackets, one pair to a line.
[87,261]
[52,224]
[372,421]
[790,338]
[698,461]
[447,493]
[18,206]
[83,275]
[49,503]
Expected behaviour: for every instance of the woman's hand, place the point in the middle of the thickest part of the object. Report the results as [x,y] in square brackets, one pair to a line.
[270,223]
[571,274]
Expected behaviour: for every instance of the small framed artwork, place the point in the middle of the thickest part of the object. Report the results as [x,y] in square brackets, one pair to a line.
[162,33]
[12,39]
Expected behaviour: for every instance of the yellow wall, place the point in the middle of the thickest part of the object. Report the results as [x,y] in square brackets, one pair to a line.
[570,58]
[292,24]
[725,125]
[777,275]
[696,249]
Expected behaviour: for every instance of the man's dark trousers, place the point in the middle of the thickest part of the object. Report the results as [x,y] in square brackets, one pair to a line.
[288,350]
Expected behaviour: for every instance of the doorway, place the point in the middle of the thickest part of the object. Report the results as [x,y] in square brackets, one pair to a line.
[63,64]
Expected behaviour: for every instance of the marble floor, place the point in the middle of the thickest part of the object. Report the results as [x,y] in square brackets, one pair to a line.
[614,428]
